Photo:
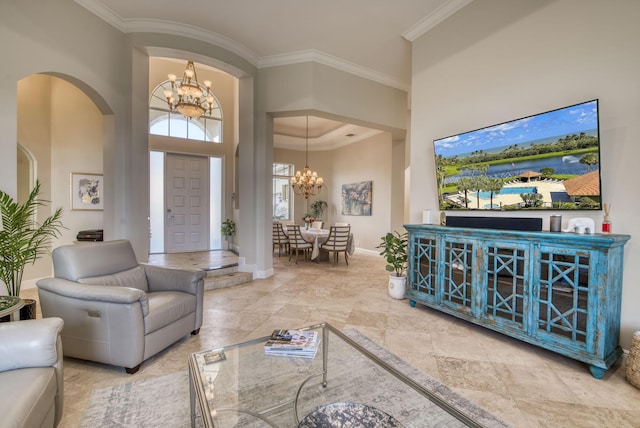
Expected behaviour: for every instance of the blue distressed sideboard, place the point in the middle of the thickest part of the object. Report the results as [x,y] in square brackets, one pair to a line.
[559,291]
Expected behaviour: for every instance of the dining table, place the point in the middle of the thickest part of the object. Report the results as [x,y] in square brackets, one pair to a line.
[316,237]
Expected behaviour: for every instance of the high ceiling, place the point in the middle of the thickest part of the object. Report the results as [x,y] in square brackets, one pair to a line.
[323,134]
[371,38]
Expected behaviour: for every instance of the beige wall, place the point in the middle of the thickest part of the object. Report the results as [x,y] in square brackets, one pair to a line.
[498,60]
[334,94]
[34,134]
[367,160]
[76,146]
[63,129]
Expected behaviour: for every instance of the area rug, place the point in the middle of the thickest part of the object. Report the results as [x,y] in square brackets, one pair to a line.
[156,402]
[164,401]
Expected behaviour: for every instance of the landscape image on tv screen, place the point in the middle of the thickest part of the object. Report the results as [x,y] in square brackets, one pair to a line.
[548,161]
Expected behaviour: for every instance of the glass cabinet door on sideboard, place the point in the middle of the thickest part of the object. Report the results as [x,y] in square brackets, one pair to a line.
[445,270]
[422,267]
[508,293]
[557,291]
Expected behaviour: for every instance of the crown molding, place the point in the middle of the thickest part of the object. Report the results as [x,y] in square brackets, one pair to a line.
[145,25]
[314,55]
[170,27]
[104,13]
[427,23]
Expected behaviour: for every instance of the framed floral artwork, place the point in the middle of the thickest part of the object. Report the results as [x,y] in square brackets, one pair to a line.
[86,191]
[356,198]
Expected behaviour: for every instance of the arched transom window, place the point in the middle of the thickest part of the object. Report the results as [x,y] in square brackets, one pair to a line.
[162,121]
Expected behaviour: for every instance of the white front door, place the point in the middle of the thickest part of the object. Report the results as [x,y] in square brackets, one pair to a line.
[187,203]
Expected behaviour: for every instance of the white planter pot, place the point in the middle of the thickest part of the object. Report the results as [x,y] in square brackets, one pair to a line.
[227,244]
[397,286]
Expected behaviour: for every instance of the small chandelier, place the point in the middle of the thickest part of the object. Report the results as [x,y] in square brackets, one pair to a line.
[306,183]
[187,96]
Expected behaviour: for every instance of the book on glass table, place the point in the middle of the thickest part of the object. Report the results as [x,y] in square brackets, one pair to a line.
[293,343]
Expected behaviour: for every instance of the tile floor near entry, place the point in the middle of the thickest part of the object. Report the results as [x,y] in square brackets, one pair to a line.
[524,385]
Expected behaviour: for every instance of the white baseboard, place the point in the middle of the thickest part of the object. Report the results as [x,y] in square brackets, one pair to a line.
[29,283]
[244,267]
[368,252]
[263,274]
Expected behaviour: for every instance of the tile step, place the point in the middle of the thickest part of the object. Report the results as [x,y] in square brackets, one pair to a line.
[227,280]
[221,270]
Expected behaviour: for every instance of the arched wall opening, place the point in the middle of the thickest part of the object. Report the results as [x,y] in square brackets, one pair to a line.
[27,166]
[60,131]
[220,152]
[148,46]
[376,155]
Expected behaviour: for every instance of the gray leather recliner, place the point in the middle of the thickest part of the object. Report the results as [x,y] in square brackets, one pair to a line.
[31,373]
[116,310]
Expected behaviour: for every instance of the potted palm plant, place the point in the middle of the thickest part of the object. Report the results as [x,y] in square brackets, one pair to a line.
[22,239]
[394,251]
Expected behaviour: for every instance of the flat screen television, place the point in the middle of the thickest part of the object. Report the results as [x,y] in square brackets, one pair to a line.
[547,161]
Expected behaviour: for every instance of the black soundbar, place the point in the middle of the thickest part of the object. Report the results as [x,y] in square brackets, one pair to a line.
[529,224]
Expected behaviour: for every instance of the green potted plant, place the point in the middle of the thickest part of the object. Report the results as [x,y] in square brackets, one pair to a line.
[228,229]
[318,208]
[394,251]
[22,239]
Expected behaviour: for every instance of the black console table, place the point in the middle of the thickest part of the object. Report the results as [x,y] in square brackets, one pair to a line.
[559,291]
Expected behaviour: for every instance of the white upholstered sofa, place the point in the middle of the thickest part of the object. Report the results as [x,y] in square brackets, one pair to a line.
[31,373]
[117,311]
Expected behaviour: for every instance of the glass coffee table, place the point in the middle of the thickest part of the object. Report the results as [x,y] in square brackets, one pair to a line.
[345,384]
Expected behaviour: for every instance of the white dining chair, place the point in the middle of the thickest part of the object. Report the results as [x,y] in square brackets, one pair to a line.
[337,242]
[280,238]
[297,242]
[316,225]
[286,223]
[342,224]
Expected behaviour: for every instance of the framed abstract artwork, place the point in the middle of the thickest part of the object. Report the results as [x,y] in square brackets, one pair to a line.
[356,198]
[86,191]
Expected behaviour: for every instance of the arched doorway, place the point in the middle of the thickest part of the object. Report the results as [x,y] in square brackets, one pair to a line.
[206,145]
[60,131]
[27,166]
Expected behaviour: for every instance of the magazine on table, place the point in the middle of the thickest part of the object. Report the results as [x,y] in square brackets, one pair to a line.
[297,343]
[212,366]
[214,356]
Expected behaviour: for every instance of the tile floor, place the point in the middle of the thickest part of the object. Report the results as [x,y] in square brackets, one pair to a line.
[524,385]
